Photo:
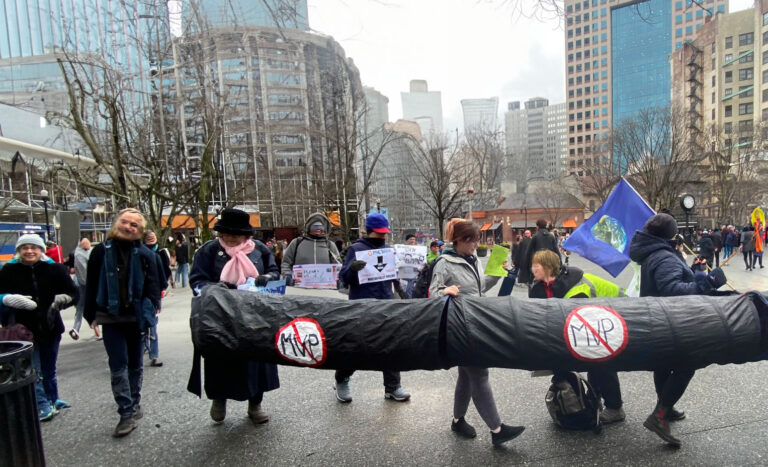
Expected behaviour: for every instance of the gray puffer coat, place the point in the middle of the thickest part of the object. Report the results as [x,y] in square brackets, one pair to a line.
[453,269]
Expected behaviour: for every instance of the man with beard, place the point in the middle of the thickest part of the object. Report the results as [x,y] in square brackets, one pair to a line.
[123,290]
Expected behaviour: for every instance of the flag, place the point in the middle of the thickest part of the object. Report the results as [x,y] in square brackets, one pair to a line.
[758,220]
[605,237]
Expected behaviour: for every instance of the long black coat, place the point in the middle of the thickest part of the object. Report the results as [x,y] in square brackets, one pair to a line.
[41,281]
[230,378]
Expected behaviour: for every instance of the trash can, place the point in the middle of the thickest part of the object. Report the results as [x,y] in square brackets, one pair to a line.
[20,440]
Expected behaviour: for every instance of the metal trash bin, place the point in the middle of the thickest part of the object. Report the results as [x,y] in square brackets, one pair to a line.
[20,441]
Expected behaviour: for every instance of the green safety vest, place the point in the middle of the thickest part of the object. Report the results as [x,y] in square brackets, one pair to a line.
[593,286]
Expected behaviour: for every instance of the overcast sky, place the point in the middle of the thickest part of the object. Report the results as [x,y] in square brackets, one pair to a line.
[463,48]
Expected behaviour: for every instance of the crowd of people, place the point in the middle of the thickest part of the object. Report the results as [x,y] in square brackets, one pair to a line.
[117,286]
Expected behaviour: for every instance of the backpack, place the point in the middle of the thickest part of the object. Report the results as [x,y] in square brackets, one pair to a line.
[421,288]
[572,403]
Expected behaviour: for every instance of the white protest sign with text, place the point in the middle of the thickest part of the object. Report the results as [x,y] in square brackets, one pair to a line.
[410,258]
[379,265]
[316,276]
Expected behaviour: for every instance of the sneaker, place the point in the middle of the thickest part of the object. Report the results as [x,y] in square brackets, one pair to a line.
[660,426]
[507,433]
[47,414]
[343,394]
[155,362]
[612,415]
[74,334]
[124,426]
[138,412]
[256,414]
[675,415]
[463,429]
[218,410]
[60,404]
[399,395]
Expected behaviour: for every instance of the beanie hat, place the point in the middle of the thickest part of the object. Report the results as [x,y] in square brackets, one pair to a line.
[661,225]
[30,239]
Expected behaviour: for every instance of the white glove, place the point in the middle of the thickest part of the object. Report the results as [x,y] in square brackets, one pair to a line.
[61,301]
[19,302]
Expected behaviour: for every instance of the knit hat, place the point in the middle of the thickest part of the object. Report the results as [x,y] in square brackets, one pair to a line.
[376,222]
[661,225]
[30,239]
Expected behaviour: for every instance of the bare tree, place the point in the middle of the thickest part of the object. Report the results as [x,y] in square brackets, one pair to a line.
[554,200]
[483,146]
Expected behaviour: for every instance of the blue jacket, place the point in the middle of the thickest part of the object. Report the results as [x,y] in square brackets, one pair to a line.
[663,273]
[382,290]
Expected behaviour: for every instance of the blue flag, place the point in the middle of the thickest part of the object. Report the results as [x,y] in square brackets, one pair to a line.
[604,238]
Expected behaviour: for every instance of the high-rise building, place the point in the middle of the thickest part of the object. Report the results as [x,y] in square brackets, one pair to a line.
[618,62]
[424,107]
[535,141]
[480,113]
[290,14]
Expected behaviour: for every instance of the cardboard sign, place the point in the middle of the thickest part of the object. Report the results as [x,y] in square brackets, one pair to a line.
[316,276]
[410,259]
[494,267]
[380,265]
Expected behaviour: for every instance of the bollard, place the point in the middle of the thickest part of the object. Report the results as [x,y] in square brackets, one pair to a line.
[20,440]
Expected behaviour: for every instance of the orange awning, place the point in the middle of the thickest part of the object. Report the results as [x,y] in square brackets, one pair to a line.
[183,221]
[486,226]
[569,224]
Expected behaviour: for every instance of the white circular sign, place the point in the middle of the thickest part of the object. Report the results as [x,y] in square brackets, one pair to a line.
[302,341]
[595,333]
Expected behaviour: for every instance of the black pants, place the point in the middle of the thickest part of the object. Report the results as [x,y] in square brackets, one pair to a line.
[606,386]
[717,258]
[671,384]
[391,378]
[747,258]
[757,257]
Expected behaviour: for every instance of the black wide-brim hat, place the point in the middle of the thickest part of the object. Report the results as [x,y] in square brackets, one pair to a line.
[234,222]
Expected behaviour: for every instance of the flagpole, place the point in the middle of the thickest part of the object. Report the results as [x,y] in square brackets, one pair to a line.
[707,265]
[639,195]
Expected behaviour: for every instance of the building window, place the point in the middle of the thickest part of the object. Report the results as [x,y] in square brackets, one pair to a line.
[747,58]
[728,110]
[746,108]
[728,42]
[728,128]
[745,73]
[728,58]
[748,91]
[728,77]
[745,126]
[765,19]
[765,95]
[765,37]
[747,38]
[727,92]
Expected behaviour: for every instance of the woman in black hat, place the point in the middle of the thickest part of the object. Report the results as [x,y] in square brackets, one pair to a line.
[232,258]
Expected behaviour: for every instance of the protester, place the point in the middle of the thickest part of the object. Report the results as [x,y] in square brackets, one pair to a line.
[747,242]
[458,272]
[123,291]
[80,265]
[182,260]
[732,241]
[663,273]
[33,291]
[707,247]
[151,342]
[411,272]
[232,259]
[759,247]
[377,228]
[311,248]
[521,260]
[434,251]
[555,281]
[717,242]
[54,251]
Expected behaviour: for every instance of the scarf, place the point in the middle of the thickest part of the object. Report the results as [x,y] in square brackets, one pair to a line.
[548,288]
[239,268]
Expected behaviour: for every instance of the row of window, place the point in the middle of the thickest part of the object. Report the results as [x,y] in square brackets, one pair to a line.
[586,28]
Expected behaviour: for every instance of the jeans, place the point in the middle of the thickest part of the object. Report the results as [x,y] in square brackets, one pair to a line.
[757,257]
[391,378]
[473,384]
[726,251]
[44,359]
[150,342]
[182,274]
[409,286]
[123,343]
[79,308]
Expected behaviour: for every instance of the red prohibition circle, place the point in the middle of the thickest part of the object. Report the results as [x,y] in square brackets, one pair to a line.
[292,324]
[612,352]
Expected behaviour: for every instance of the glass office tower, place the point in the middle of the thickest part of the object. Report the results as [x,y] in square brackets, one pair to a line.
[291,14]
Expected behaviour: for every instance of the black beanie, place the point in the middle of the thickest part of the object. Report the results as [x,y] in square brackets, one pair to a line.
[661,225]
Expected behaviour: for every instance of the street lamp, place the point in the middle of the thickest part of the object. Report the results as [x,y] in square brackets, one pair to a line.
[687,202]
[470,192]
[525,210]
[44,196]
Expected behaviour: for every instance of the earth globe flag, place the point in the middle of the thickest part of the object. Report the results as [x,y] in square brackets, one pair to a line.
[605,237]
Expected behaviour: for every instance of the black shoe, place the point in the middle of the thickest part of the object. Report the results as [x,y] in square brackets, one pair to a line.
[507,433]
[155,362]
[463,429]
[138,413]
[125,426]
[675,415]
[660,426]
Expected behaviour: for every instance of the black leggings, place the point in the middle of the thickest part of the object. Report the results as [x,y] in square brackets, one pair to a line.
[671,384]
[747,258]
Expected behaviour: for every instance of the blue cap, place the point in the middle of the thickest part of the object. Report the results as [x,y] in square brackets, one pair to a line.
[376,222]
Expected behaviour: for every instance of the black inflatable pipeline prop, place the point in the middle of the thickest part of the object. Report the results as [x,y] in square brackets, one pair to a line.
[624,334]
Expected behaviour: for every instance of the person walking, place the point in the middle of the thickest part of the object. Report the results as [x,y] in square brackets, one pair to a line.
[717,242]
[458,272]
[377,228]
[151,342]
[707,248]
[732,241]
[410,273]
[54,252]
[232,259]
[521,260]
[311,248]
[182,260]
[80,265]
[123,291]
[664,273]
[35,289]
[747,242]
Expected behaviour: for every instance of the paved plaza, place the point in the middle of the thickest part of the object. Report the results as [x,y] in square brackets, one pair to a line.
[726,425]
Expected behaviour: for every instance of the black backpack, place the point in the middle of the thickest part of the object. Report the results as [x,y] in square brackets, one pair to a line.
[421,288]
[572,403]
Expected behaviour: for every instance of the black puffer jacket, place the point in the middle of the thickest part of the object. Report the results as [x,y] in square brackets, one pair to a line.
[41,281]
[663,273]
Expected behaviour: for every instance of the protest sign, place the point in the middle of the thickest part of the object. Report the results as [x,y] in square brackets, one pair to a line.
[494,267]
[409,259]
[316,276]
[380,265]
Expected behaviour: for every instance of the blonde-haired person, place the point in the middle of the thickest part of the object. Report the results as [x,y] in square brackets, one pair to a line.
[122,294]
[456,271]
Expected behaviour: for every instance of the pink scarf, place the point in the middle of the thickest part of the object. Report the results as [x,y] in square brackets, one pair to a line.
[239,268]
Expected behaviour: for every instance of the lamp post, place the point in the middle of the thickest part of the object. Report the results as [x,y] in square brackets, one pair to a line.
[44,196]
[470,192]
[687,202]
[525,211]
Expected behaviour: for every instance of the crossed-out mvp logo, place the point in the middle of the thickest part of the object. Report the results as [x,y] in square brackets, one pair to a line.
[595,333]
[302,341]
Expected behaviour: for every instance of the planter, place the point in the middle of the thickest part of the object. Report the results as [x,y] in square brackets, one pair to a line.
[482,253]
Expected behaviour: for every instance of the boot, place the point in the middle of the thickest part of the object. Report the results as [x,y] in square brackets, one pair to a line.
[256,414]
[658,423]
[218,410]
